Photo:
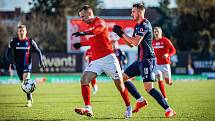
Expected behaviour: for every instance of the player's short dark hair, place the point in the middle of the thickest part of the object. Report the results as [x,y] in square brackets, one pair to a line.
[139,6]
[21,26]
[85,8]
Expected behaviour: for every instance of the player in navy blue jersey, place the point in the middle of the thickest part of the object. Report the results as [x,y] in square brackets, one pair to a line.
[121,56]
[144,66]
[19,55]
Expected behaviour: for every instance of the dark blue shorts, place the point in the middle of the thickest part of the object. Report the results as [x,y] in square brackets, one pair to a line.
[23,69]
[144,68]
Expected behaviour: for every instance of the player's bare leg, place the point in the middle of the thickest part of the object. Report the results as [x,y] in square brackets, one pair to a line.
[86,78]
[141,102]
[26,76]
[124,93]
[167,76]
[159,98]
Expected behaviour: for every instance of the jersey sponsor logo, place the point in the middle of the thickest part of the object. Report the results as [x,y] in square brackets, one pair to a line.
[157,47]
[23,48]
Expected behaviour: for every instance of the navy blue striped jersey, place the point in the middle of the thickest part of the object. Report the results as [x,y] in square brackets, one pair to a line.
[145,48]
[21,51]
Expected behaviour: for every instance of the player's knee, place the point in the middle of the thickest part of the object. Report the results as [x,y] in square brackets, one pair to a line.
[125,77]
[148,86]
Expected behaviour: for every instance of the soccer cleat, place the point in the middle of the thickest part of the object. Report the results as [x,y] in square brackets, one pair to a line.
[140,105]
[29,103]
[170,113]
[128,112]
[95,89]
[168,81]
[84,111]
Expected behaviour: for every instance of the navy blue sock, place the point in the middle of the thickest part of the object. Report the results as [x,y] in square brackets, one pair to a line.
[159,98]
[132,89]
[28,96]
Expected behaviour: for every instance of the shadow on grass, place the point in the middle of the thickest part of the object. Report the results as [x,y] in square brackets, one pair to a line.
[106,118]
[34,119]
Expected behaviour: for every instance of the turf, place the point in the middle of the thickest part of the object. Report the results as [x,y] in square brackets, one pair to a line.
[192,100]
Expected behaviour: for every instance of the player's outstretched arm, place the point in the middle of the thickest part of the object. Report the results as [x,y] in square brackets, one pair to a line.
[37,49]
[9,54]
[130,41]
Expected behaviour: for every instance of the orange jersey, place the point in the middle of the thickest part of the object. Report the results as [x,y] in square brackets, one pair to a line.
[99,42]
[161,47]
[89,55]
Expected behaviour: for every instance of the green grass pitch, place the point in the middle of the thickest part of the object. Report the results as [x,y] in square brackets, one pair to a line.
[192,100]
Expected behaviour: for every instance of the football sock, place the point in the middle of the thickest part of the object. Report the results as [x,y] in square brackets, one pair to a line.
[125,97]
[85,89]
[162,88]
[168,109]
[132,89]
[159,98]
[93,82]
[29,96]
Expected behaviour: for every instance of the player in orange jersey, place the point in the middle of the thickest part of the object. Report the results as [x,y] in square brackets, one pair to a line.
[103,60]
[163,50]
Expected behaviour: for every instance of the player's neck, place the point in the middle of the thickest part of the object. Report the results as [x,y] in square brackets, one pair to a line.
[157,38]
[22,37]
[140,20]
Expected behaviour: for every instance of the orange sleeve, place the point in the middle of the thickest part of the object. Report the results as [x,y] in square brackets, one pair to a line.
[85,43]
[98,27]
[172,49]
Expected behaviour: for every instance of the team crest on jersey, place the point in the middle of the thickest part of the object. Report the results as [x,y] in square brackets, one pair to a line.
[141,29]
[18,44]
[26,43]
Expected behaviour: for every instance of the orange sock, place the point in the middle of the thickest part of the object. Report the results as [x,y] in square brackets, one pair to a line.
[85,89]
[93,82]
[125,97]
[162,88]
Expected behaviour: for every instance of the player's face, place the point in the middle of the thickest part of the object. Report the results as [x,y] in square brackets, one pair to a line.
[135,13]
[157,32]
[22,32]
[85,16]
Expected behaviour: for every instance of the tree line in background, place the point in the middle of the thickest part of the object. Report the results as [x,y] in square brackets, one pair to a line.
[191,26]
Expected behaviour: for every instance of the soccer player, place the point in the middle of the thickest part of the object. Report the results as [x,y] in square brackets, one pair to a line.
[103,60]
[122,58]
[142,37]
[88,58]
[163,50]
[19,56]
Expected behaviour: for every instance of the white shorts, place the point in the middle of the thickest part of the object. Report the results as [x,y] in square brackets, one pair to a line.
[164,69]
[108,64]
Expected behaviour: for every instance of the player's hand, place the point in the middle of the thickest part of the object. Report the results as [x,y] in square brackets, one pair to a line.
[166,55]
[42,64]
[76,34]
[118,30]
[77,45]
[12,67]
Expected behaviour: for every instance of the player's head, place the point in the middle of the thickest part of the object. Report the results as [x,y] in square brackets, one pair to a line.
[157,32]
[22,31]
[86,14]
[138,11]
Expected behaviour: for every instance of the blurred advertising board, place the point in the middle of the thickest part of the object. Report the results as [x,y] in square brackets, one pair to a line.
[75,24]
[185,63]
[59,63]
